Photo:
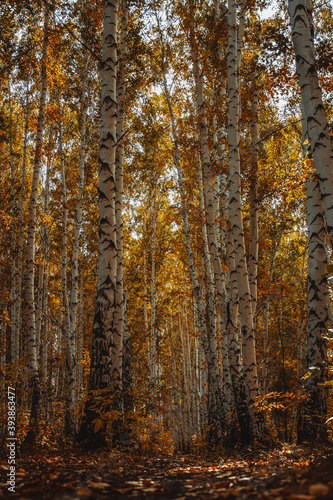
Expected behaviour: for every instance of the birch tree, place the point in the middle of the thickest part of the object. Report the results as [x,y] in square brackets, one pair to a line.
[106,360]
[315,407]
[119,167]
[30,260]
[314,112]
[74,290]
[20,245]
[245,304]
[216,413]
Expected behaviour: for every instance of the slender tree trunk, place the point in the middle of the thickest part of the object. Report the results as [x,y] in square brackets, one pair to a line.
[314,112]
[153,333]
[30,262]
[254,205]
[21,230]
[79,343]
[145,302]
[186,390]
[42,305]
[13,314]
[127,369]
[69,335]
[266,319]
[215,407]
[42,273]
[245,305]
[315,407]
[74,292]
[121,92]
[209,191]
[235,343]
[106,359]
[209,273]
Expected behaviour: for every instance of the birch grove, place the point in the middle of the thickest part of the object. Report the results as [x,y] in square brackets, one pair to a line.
[165,205]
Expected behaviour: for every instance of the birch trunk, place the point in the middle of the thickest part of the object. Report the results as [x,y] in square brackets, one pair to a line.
[235,346]
[127,369]
[314,112]
[42,273]
[209,191]
[315,407]
[215,407]
[153,338]
[44,267]
[69,428]
[79,344]
[74,292]
[145,303]
[266,319]
[13,315]
[21,229]
[234,342]
[245,305]
[121,91]
[30,261]
[209,273]
[214,243]
[254,205]
[106,360]
[186,390]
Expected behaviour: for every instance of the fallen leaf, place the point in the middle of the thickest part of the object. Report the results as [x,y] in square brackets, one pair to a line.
[319,489]
[123,490]
[83,491]
[101,486]
[300,497]
[70,486]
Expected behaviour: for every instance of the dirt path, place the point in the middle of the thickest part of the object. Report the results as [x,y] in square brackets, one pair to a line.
[289,474]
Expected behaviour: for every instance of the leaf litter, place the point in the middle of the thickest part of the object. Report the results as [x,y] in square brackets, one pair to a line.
[295,473]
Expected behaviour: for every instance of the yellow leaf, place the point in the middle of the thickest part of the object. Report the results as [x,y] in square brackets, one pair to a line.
[329,268]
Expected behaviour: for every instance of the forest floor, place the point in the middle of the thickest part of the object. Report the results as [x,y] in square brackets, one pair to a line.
[291,473]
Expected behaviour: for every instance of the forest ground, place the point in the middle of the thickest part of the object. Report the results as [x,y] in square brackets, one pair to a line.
[291,473]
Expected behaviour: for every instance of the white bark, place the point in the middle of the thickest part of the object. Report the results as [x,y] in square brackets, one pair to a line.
[13,315]
[30,261]
[74,292]
[21,229]
[254,205]
[68,335]
[153,333]
[215,409]
[245,306]
[121,92]
[316,353]
[106,359]
[314,112]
